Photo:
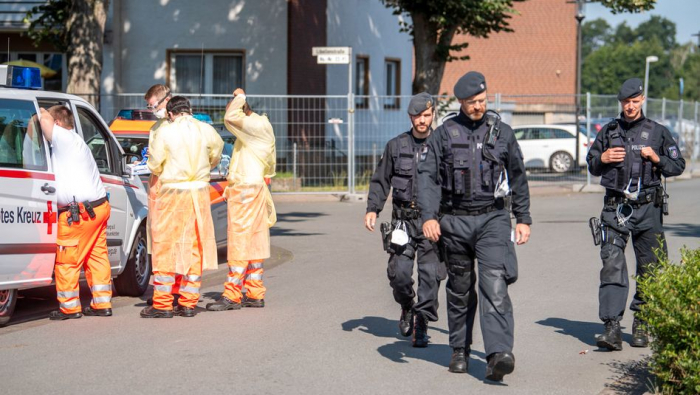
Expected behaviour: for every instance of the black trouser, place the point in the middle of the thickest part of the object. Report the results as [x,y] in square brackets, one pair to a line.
[646,227]
[430,273]
[486,238]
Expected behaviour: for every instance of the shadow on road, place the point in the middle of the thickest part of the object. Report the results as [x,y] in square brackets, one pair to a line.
[633,378]
[683,230]
[298,216]
[400,351]
[584,331]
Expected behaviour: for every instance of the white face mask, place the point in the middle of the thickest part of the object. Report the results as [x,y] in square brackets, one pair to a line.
[502,187]
[160,114]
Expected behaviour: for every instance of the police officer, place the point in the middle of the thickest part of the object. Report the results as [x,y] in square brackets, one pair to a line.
[471,172]
[630,154]
[397,170]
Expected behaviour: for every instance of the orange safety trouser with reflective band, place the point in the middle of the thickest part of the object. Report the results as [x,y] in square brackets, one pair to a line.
[244,274]
[165,284]
[83,245]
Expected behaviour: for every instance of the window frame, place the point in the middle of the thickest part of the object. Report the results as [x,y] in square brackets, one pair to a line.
[364,101]
[396,105]
[208,83]
[113,158]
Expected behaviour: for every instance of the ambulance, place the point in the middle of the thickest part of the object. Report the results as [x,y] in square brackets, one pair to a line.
[28,208]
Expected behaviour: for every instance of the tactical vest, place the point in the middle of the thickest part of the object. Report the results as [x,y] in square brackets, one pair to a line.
[633,168]
[470,169]
[403,176]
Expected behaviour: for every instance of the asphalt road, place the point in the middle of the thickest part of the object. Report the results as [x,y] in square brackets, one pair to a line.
[330,324]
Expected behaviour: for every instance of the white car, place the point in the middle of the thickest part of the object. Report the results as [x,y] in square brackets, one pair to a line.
[28,194]
[551,147]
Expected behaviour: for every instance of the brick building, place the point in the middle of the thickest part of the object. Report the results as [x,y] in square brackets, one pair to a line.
[538,58]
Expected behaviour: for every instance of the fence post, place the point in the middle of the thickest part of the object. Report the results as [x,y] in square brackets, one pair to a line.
[588,132]
[497,100]
[351,143]
[681,136]
[294,164]
[663,109]
[695,139]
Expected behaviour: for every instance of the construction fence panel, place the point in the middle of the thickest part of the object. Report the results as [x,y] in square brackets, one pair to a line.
[332,144]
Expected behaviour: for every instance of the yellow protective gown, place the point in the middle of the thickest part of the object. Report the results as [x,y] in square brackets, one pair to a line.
[251,211]
[182,154]
[153,186]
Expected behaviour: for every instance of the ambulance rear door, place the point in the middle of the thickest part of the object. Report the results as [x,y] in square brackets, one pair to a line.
[27,198]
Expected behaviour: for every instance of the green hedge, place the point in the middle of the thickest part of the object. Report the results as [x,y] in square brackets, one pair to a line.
[672,313]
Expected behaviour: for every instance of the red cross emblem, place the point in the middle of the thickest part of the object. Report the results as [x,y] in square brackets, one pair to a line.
[49,217]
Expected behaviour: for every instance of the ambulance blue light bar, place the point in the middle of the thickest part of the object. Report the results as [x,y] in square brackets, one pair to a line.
[20,77]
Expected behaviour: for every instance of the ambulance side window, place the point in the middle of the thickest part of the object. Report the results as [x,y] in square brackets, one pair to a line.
[96,140]
[21,140]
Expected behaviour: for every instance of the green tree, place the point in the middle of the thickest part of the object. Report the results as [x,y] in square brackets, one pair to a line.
[658,28]
[595,34]
[77,28]
[434,23]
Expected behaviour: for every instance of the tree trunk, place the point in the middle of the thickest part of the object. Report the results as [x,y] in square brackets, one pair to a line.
[86,27]
[429,63]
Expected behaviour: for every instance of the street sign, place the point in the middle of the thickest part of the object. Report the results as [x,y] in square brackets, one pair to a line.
[316,51]
[333,59]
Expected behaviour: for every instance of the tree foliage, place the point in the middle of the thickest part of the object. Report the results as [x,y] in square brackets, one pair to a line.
[75,27]
[612,55]
[433,25]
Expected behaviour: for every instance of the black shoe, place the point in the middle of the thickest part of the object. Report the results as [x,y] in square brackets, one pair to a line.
[639,334]
[460,361]
[612,338]
[183,311]
[406,321]
[152,312]
[224,304]
[176,298]
[89,311]
[499,365]
[58,315]
[249,302]
[420,331]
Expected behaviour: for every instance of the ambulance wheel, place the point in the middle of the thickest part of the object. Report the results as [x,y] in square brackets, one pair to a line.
[8,300]
[561,162]
[134,279]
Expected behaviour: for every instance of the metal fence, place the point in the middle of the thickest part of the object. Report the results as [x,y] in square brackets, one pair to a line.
[331,144]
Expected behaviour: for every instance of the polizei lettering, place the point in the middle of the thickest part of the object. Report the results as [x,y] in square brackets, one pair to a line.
[28,217]
[638,147]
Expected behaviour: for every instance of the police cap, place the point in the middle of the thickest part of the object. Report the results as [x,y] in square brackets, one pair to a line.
[469,85]
[419,103]
[630,88]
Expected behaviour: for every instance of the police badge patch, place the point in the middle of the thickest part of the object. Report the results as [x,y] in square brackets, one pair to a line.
[645,135]
[673,152]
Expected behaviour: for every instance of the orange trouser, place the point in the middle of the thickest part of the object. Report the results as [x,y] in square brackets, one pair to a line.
[165,284]
[248,274]
[83,244]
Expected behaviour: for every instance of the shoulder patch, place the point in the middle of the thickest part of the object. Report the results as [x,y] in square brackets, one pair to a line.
[673,152]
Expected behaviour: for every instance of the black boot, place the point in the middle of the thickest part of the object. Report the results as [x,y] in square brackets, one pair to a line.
[612,338]
[149,301]
[183,311]
[460,361]
[89,311]
[499,365]
[406,321]
[224,304]
[639,334]
[420,331]
[58,315]
[152,312]
[249,302]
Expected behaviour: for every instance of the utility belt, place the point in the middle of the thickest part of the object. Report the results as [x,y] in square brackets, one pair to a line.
[406,214]
[78,210]
[651,195]
[497,205]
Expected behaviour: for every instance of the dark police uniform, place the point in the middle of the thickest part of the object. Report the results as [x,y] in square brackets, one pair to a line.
[623,216]
[396,171]
[457,180]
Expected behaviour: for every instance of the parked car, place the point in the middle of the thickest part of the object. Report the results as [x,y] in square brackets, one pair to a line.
[148,115]
[551,146]
[28,206]
[133,138]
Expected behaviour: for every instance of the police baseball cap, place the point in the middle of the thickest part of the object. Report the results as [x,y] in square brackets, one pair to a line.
[631,88]
[419,103]
[470,84]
